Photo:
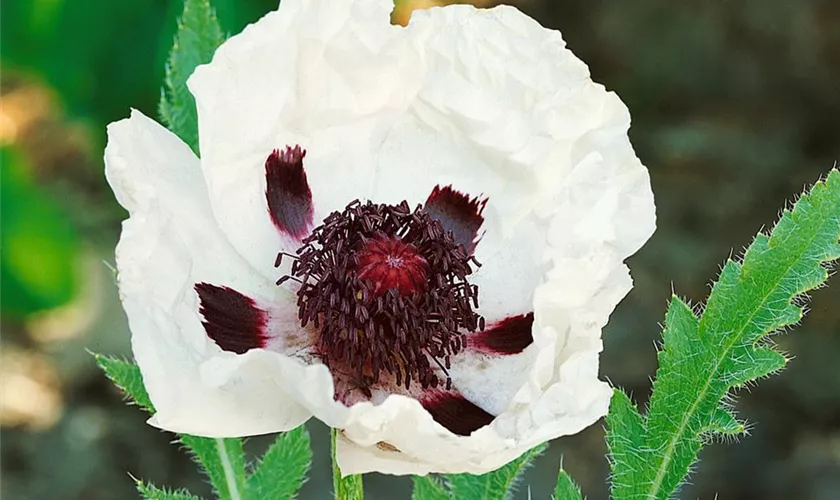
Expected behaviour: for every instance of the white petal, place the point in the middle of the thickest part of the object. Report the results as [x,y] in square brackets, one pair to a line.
[611,182]
[169,243]
[329,75]
[492,381]
[501,103]
[503,110]
[512,266]
[561,171]
[424,446]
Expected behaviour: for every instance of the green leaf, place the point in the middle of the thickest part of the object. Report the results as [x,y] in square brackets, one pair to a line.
[496,485]
[566,489]
[127,377]
[282,470]
[197,38]
[152,492]
[428,488]
[704,358]
[723,422]
[223,460]
[625,439]
[349,487]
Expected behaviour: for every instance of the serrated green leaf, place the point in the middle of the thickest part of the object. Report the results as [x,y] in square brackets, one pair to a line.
[127,377]
[152,492]
[428,488]
[282,470]
[496,485]
[223,460]
[199,35]
[625,438]
[750,363]
[566,489]
[703,359]
[724,422]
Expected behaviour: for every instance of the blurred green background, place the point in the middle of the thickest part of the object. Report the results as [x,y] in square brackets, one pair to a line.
[736,106]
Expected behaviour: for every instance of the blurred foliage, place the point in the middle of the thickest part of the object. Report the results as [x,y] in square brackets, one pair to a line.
[103,56]
[735,107]
[38,264]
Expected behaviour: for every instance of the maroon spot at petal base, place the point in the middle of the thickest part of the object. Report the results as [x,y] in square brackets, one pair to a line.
[287,192]
[454,412]
[458,213]
[231,319]
[509,336]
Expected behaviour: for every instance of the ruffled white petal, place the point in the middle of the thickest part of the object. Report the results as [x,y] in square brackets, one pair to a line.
[500,105]
[400,423]
[512,266]
[169,243]
[503,111]
[499,86]
[329,75]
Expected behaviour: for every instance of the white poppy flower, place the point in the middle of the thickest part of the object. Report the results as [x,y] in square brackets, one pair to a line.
[468,136]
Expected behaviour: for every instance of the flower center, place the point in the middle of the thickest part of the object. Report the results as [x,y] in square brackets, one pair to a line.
[387,289]
[389,263]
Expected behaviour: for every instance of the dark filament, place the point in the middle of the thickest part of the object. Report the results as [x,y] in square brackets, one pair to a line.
[401,330]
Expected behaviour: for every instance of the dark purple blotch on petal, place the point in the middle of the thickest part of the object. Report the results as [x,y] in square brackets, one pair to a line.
[287,192]
[232,320]
[509,336]
[455,412]
[458,213]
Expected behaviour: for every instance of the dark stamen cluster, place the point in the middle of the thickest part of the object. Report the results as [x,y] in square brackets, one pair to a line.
[398,330]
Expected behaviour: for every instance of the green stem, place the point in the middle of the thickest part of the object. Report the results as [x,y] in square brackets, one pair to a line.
[230,474]
[347,488]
